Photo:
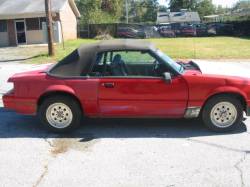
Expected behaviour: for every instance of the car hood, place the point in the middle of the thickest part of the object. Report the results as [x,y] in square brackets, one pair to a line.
[192,69]
[216,79]
[229,80]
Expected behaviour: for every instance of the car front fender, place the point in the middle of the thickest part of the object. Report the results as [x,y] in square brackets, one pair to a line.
[227,90]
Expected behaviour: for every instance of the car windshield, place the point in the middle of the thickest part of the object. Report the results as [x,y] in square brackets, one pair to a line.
[179,68]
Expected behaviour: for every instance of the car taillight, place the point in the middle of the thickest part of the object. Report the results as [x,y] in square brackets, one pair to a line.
[10,92]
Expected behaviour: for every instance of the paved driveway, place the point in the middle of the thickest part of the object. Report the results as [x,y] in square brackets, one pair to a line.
[123,152]
[21,52]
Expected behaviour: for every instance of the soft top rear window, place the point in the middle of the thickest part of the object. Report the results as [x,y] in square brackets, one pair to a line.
[68,66]
[71,58]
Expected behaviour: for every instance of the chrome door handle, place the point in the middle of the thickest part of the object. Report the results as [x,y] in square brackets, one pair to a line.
[108,84]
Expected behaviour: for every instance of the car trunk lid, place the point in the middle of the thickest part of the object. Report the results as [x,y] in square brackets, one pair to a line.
[27,74]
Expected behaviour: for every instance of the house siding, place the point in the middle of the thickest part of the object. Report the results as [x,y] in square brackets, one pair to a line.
[4,41]
[35,37]
[69,23]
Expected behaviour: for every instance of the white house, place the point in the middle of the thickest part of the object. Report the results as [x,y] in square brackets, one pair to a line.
[183,16]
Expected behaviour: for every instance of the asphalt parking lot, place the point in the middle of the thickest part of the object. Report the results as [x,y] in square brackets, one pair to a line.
[123,152]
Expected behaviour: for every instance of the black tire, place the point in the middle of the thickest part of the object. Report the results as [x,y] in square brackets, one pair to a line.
[71,103]
[207,119]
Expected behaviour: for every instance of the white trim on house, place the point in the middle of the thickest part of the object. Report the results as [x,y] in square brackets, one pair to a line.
[25,31]
[74,8]
[63,7]
[21,16]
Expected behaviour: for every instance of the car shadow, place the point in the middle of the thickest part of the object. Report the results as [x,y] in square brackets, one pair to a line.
[13,125]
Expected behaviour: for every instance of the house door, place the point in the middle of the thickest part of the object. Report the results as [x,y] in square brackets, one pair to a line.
[20,32]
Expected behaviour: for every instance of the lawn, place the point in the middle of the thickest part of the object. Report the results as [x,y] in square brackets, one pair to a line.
[177,48]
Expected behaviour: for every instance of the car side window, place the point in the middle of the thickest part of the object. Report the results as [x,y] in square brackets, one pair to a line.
[135,57]
[127,64]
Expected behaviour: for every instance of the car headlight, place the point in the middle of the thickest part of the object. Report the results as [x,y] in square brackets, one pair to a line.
[7,86]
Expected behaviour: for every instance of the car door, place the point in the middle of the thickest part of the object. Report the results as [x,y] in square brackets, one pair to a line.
[143,95]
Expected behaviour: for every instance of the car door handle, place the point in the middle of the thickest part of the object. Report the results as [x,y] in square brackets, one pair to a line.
[108,84]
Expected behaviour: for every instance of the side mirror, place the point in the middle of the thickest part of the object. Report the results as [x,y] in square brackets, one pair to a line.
[167,77]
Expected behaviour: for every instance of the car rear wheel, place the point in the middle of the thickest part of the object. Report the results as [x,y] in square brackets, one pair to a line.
[60,113]
[222,113]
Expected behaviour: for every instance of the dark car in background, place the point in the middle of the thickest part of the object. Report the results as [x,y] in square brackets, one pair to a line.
[129,32]
[201,29]
[176,28]
[220,29]
[188,30]
[166,31]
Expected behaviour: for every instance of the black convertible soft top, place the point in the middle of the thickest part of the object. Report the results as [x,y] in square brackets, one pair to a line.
[79,61]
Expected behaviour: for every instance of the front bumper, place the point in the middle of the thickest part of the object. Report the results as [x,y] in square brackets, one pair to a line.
[19,104]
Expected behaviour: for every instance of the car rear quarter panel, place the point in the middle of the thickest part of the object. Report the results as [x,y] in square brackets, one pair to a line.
[85,90]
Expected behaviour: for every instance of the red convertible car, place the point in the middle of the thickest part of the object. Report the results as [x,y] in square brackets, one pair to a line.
[127,78]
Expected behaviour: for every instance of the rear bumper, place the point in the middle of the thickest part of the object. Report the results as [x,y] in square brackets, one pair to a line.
[18,104]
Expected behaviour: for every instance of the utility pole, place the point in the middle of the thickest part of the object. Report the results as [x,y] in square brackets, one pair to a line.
[126,11]
[49,27]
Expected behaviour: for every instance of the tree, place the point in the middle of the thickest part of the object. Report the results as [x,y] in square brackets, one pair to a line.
[243,4]
[111,11]
[100,11]
[176,5]
[240,11]
[151,7]
[143,10]
[220,10]
[162,8]
[204,8]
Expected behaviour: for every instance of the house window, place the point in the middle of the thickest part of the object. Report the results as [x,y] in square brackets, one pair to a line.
[32,24]
[179,14]
[3,26]
[43,19]
[163,15]
[35,23]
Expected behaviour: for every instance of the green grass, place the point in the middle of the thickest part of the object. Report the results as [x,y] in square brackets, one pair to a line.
[177,48]
[59,51]
[205,48]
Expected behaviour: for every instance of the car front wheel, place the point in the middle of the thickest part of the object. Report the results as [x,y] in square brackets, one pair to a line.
[60,113]
[222,113]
